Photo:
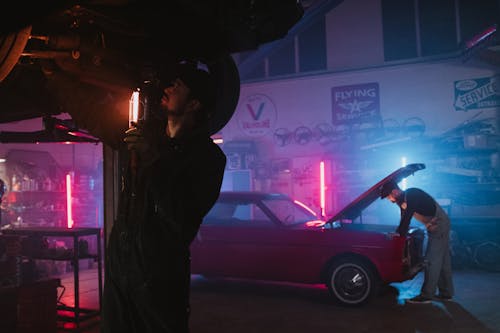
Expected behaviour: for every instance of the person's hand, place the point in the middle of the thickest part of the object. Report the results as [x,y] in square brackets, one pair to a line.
[135,140]
[392,235]
[432,224]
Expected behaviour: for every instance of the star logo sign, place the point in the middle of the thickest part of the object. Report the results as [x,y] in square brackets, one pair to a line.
[355,106]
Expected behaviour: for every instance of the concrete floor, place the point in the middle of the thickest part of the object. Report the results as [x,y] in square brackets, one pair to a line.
[230,305]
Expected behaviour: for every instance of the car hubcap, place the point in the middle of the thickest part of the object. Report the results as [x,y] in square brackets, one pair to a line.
[351,283]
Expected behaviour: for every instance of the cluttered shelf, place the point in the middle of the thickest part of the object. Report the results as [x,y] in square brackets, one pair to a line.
[49,208]
[40,250]
[35,247]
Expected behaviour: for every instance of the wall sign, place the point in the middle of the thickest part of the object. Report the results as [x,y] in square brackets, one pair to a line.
[354,104]
[477,93]
[257,115]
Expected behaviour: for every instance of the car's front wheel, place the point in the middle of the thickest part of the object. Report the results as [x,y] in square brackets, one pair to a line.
[11,47]
[352,281]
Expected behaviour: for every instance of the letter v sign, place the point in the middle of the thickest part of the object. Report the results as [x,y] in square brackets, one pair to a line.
[254,115]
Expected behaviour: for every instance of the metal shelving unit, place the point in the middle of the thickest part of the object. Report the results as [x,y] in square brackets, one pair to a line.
[74,314]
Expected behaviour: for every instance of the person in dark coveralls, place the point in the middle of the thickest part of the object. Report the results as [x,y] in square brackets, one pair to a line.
[416,203]
[162,204]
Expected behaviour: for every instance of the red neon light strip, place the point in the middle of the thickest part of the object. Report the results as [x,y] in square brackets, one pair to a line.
[303,205]
[68,201]
[322,187]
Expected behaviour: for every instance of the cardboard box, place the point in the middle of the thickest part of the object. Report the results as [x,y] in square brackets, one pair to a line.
[29,308]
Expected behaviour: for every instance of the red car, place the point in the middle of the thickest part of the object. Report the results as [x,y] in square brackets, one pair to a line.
[268,236]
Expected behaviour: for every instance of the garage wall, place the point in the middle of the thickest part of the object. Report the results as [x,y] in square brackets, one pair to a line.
[266,133]
[354,34]
[423,90]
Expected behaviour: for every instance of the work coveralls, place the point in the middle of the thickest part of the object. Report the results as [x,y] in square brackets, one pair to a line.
[148,260]
[438,274]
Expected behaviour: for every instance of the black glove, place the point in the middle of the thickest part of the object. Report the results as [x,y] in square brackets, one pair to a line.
[135,140]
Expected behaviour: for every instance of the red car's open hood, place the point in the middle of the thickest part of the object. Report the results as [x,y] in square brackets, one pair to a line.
[354,209]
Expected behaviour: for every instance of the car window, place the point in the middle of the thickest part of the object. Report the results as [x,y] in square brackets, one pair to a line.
[237,214]
[288,212]
[252,214]
[243,212]
[221,210]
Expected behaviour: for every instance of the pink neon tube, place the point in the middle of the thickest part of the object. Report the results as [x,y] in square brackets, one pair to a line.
[322,187]
[68,201]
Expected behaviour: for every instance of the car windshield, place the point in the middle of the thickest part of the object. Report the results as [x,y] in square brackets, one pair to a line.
[288,212]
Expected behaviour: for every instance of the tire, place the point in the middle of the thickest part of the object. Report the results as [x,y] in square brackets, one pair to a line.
[11,47]
[346,291]
[487,256]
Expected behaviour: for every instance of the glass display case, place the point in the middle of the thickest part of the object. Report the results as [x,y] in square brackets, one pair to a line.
[38,193]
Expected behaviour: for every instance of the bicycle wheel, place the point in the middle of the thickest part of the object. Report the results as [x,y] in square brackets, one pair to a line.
[461,257]
[461,253]
[487,256]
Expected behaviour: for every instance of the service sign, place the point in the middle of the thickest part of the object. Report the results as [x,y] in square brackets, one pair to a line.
[256,115]
[476,94]
[355,104]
